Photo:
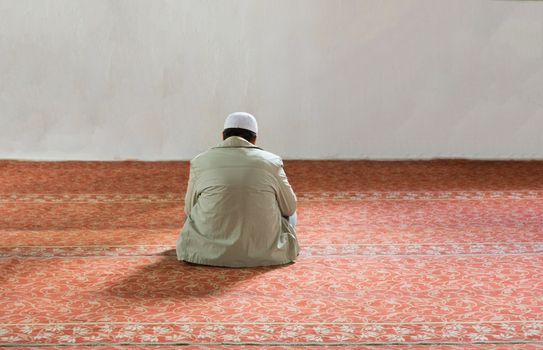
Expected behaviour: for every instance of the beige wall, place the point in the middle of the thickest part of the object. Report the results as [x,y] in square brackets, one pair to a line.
[114,79]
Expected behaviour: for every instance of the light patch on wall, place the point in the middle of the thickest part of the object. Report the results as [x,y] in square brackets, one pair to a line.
[520,36]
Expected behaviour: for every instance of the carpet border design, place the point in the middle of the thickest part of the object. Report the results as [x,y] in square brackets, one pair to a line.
[170,197]
[308,250]
[276,333]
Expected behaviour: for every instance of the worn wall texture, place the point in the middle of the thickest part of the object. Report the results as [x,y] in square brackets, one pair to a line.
[154,79]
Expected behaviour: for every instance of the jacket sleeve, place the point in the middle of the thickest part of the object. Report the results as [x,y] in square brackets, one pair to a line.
[285,194]
[191,195]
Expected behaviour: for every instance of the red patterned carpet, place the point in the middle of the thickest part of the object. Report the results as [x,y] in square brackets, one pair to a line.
[411,255]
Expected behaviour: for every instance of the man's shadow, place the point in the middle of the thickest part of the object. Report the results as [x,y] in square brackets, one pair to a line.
[169,278]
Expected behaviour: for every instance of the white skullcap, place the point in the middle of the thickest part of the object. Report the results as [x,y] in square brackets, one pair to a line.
[241,120]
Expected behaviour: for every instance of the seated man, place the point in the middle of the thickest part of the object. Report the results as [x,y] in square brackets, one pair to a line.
[239,206]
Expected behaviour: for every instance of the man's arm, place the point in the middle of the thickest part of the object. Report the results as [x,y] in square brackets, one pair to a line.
[285,195]
[190,196]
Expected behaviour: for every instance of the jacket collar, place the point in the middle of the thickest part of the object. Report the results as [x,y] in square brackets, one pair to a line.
[236,142]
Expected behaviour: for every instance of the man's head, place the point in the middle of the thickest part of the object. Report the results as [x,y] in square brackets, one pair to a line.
[240,124]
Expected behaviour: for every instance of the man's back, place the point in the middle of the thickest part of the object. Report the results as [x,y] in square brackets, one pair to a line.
[235,205]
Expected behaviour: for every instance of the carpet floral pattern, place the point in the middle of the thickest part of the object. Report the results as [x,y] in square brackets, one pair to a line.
[443,254]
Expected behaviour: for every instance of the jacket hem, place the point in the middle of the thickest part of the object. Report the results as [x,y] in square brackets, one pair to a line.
[211,263]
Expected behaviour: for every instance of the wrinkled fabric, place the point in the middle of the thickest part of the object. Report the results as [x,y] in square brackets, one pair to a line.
[237,206]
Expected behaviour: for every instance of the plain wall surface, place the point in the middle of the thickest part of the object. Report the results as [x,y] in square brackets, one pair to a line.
[379,79]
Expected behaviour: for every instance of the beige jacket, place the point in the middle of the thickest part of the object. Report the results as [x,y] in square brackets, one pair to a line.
[236,200]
